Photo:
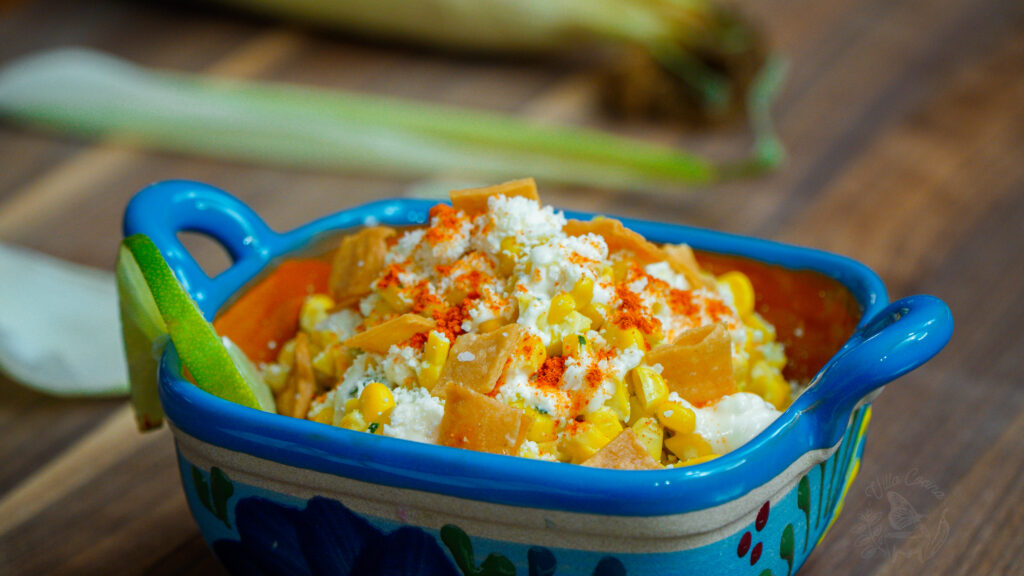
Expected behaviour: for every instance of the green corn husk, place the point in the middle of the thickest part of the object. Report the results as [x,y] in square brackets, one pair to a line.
[698,57]
[90,94]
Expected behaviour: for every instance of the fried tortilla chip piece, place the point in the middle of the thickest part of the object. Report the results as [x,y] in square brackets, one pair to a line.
[302,372]
[680,257]
[474,200]
[624,452]
[472,420]
[617,236]
[357,262]
[395,331]
[477,360]
[698,364]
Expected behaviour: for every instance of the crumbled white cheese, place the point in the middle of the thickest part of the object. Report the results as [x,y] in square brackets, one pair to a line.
[416,416]
[731,421]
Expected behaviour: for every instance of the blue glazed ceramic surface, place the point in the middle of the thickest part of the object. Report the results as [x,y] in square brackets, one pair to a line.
[891,339]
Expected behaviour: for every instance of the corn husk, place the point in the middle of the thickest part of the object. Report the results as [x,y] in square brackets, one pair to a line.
[87,93]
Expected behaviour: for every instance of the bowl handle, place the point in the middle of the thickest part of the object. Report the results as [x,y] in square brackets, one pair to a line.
[901,337]
[163,210]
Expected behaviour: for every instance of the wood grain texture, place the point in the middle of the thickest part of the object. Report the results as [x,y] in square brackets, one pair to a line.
[904,121]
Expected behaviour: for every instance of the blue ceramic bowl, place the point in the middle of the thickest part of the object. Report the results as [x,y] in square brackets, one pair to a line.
[277,495]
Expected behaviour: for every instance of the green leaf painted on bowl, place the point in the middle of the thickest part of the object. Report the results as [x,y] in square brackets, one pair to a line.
[803,502]
[221,489]
[786,547]
[202,489]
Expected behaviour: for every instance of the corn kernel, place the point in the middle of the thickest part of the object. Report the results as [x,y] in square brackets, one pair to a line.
[561,306]
[353,421]
[491,325]
[620,270]
[676,417]
[393,296]
[636,411]
[624,338]
[596,312]
[435,353]
[324,363]
[649,388]
[325,415]
[688,446]
[276,376]
[583,291]
[606,421]
[619,402]
[742,291]
[314,309]
[376,403]
[699,460]
[542,428]
[509,251]
[768,383]
[574,345]
[583,442]
[287,354]
[650,434]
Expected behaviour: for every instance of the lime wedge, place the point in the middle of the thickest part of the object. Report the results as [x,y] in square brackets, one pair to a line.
[154,306]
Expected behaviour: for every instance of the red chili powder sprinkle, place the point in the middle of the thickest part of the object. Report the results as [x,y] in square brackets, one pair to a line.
[681,302]
[550,373]
[447,222]
[631,312]
[390,277]
[717,309]
[418,341]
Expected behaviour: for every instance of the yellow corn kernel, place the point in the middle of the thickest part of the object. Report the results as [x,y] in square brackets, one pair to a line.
[636,411]
[491,325]
[435,353]
[654,338]
[287,354]
[353,421]
[324,364]
[314,309]
[688,446]
[742,291]
[376,403]
[574,345]
[619,402]
[561,306]
[276,376]
[650,434]
[542,428]
[583,291]
[699,460]
[596,312]
[623,339]
[606,421]
[325,413]
[649,388]
[509,251]
[620,270]
[676,417]
[768,383]
[583,442]
[321,339]
[393,296]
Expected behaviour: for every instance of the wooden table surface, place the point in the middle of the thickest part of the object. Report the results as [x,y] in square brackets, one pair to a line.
[904,121]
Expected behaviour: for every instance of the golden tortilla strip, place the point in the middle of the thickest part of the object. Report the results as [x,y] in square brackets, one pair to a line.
[302,372]
[357,263]
[474,200]
[477,360]
[617,236]
[680,257]
[395,331]
[698,364]
[472,420]
[624,452]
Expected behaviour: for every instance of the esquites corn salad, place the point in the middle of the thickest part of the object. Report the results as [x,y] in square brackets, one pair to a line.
[505,328]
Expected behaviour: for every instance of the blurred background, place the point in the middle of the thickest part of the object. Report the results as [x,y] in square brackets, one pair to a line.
[888,131]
